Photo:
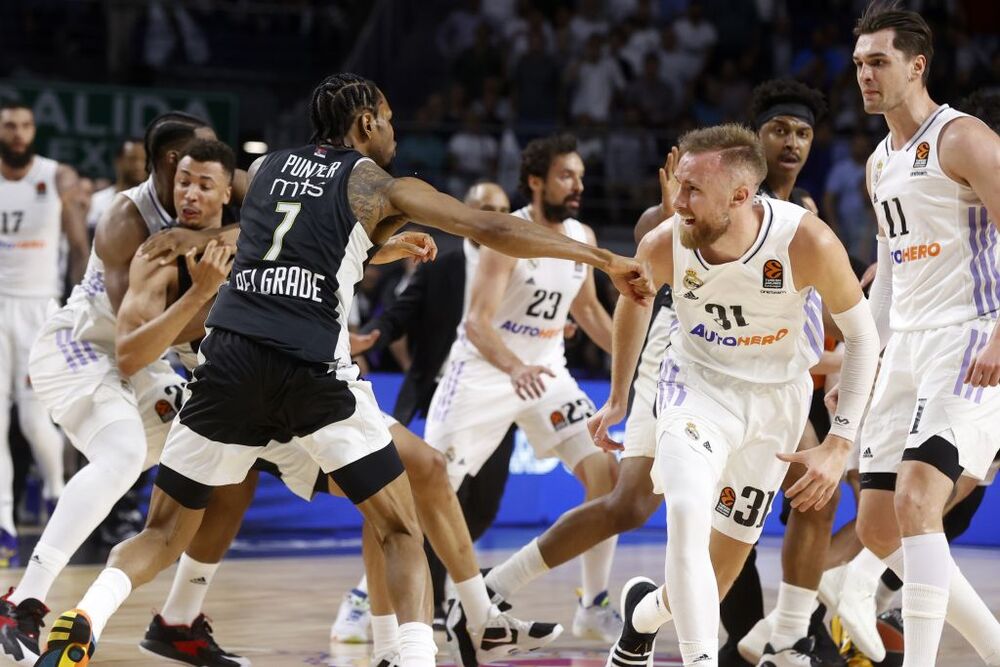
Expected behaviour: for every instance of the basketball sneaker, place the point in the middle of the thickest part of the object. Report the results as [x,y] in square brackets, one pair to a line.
[633,648]
[20,626]
[9,556]
[354,619]
[386,660]
[751,646]
[190,644]
[70,642]
[501,636]
[598,620]
[800,654]
[857,612]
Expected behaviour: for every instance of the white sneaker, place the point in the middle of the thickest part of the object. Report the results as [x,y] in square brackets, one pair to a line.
[502,635]
[858,616]
[752,646]
[830,586]
[598,621]
[353,624]
[386,660]
[633,648]
[799,654]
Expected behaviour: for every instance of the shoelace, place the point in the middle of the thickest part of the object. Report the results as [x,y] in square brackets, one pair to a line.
[202,630]
[30,621]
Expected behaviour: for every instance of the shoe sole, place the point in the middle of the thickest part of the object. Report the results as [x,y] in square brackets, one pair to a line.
[350,639]
[172,660]
[73,655]
[626,589]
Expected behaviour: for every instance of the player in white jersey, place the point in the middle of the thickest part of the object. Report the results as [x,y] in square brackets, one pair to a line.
[130,171]
[118,422]
[934,183]
[33,218]
[734,387]
[510,339]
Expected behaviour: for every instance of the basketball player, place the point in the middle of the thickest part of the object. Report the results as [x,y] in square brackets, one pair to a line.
[130,171]
[510,339]
[935,185]
[734,388]
[35,211]
[118,422]
[169,303]
[277,363]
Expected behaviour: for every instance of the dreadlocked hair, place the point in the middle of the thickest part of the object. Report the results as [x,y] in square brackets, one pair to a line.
[337,101]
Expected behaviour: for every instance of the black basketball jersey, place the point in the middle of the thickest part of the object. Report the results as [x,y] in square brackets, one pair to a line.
[300,253]
[796,196]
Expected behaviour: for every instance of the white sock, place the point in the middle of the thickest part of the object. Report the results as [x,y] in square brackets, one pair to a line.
[967,612]
[385,635]
[595,567]
[701,654]
[46,444]
[104,597]
[362,585]
[791,615]
[6,468]
[518,570]
[44,566]
[475,600]
[416,645]
[867,565]
[188,591]
[651,612]
[927,576]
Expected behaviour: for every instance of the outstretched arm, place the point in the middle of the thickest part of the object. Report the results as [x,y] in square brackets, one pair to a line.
[375,196]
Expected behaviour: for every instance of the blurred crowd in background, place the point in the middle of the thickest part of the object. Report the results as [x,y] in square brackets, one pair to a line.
[472,81]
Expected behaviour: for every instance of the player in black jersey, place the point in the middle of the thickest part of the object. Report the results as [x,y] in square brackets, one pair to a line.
[277,362]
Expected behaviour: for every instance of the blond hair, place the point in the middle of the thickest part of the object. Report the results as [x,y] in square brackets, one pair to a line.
[738,146]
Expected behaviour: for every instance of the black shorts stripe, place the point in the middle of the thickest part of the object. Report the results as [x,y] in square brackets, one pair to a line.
[939,453]
[879,481]
[189,493]
[365,477]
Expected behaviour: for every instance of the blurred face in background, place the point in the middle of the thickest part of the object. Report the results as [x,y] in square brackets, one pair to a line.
[488,197]
[130,165]
[786,140]
[561,191]
[17,137]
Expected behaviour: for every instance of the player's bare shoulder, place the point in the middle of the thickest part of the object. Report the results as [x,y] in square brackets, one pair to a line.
[967,144]
[120,231]
[813,247]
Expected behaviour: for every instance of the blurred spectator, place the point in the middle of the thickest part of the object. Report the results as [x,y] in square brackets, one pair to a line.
[458,31]
[631,150]
[421,151]
[478,62]
[845,202]
[492,107]
[644,37]
[588,20]
[536,85]
[677,67]
[517,32]
[695,35]
[656,100]
[472,155]
[595,80]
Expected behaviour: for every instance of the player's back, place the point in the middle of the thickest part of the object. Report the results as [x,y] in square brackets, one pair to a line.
[942,244]
[300,253]
[30,228]
[745,318]
[532,313]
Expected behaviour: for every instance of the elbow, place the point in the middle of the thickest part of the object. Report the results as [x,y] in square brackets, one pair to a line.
[128,363]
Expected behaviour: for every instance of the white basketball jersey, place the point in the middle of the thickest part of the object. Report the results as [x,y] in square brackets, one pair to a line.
[89,300]
[532,315]
[942,243]
[744,318]
[30,232]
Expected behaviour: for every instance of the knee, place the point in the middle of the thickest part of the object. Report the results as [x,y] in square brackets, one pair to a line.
[429,470]
[875,535]
[688,518]
[625,512]
[913,506]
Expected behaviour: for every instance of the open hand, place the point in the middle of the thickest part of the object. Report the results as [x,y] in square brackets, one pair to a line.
[602,420]
[209,272]
[527,381]
[824,468]
[171,243]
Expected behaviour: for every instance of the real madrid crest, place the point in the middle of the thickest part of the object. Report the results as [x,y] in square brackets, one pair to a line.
[691,280]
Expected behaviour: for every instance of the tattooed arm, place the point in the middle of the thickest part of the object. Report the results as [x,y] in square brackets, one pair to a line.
[382,203]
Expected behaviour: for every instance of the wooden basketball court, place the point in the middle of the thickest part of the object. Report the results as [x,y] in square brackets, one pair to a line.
[278,611]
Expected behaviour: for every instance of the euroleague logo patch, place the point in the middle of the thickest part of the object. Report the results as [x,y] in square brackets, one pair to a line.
[923,152]
[774,275]
[726,501]
[558,421]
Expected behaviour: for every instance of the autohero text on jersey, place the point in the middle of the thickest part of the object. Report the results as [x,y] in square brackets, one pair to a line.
[303,171]
[294,281]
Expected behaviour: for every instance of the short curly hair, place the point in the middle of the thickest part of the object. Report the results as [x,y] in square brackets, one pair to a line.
[538,155]
[783,91]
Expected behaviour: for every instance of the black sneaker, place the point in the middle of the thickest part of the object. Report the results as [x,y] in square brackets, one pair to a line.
[20,627]
[495,597]
[191,644]
[633,648]
[800,654]
[826,649]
